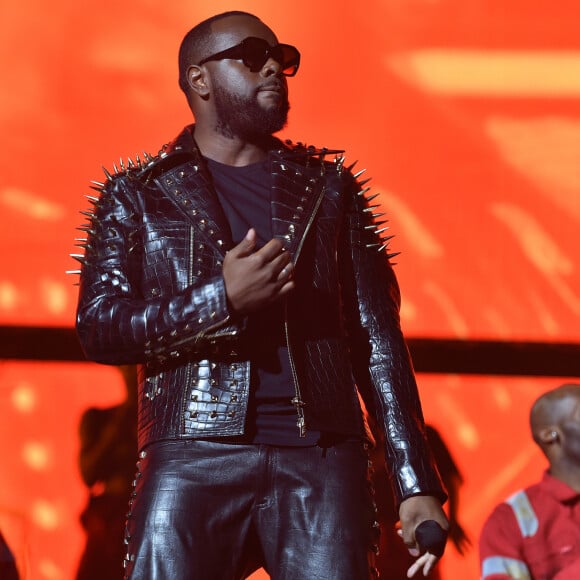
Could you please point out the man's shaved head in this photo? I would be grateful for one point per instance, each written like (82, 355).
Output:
(196, 44)
(551, 409)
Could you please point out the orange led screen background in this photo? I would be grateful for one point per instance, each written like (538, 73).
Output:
(466, 114)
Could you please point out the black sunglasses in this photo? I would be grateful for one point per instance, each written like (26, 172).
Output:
(255, 52)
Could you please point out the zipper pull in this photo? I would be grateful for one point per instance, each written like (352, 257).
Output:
(301, 422)
(301, 426)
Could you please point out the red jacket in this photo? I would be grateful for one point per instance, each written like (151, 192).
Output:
(533, 535)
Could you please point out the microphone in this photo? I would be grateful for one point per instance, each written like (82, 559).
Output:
(431, 537)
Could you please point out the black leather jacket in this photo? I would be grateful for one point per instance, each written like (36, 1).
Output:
(152, 293)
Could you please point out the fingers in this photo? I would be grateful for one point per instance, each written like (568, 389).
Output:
(275, 257)
(246, 246)
(273, 249)
(256, 278)
(285, 289)
(413, 551)
(425, 559)
(424, 524)
(424, 563)
(282, 270)
(286, 272)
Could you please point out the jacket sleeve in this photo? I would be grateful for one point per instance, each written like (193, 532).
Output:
(383, 370)
(117, 323)
(499, 547)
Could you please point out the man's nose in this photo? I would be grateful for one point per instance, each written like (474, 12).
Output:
(271, 67)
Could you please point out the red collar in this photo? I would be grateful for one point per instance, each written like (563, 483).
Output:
(558, 489)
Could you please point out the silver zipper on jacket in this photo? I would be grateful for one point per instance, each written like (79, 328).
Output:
(309, 224)
(297, 400)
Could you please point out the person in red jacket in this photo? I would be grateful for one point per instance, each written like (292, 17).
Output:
(535, 533)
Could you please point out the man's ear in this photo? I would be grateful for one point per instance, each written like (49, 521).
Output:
(196, 79)
(549, 435)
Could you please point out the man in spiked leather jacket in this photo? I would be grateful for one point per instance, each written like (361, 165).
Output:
(169, 282)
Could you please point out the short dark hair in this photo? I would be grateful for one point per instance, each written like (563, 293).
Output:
(194, 45)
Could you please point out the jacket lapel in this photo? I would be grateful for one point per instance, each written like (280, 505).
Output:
(297, 191)
(187, 184)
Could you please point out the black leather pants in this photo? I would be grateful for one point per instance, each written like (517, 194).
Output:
(218, 511)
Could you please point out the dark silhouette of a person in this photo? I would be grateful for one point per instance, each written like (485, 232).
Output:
(8, 569)
(107, 464)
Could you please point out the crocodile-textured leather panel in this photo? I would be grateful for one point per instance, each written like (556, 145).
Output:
(383, 369)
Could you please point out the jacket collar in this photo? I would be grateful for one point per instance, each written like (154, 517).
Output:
(559, 490)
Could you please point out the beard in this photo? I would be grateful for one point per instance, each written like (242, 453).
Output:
(244, 117)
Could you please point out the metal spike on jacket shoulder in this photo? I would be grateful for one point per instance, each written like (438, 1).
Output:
(381, 243)
(125, 168)
(130, 166)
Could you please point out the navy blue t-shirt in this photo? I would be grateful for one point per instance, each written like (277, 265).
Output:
(244, 193)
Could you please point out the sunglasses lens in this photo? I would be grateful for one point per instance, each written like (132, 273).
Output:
(257, 51)
(289, 59)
